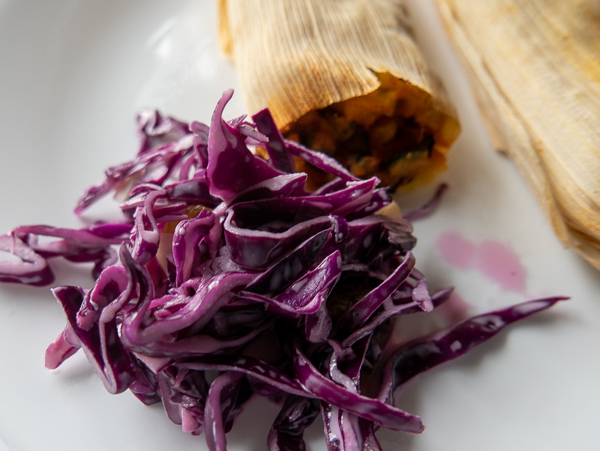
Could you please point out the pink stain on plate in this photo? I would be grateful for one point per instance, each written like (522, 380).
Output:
(455, 309)
(457, 250)
(495, 260)
(501, 264)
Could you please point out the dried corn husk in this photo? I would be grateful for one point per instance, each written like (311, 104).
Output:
(332, 70)
(535, 70)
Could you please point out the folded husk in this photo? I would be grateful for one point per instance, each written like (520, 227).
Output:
(298, 57)
(535, 69)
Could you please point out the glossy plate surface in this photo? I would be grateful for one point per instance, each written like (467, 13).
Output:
(74, 73)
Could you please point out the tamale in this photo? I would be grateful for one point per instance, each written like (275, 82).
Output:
(534, 66)
(344, 77)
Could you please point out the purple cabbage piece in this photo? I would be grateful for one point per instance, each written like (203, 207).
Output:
(231, 166)
(279, 157)
(99, 343)
(252, 248)
(287, 431)
(225, 268)
(255, 369)
(415, 357)
(306, 294)
(370, 409)
(344, 430)
(32, 269)
(195, 241)
(364, 308)
(219, 405)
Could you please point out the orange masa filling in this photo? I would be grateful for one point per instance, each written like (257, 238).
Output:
(394, 133)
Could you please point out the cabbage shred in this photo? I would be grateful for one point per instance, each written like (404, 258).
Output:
(224, 264)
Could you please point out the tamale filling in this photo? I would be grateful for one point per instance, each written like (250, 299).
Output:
(392, 133)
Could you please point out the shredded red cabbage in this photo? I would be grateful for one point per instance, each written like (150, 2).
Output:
(225, 264)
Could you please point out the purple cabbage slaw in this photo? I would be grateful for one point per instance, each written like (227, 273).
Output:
(227, 279)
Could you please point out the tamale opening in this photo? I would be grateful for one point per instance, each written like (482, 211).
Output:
(393, 133)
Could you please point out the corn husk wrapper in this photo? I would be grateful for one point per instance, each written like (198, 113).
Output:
(355, 57)
(535, 69)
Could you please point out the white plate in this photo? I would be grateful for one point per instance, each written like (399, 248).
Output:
(73, 75)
